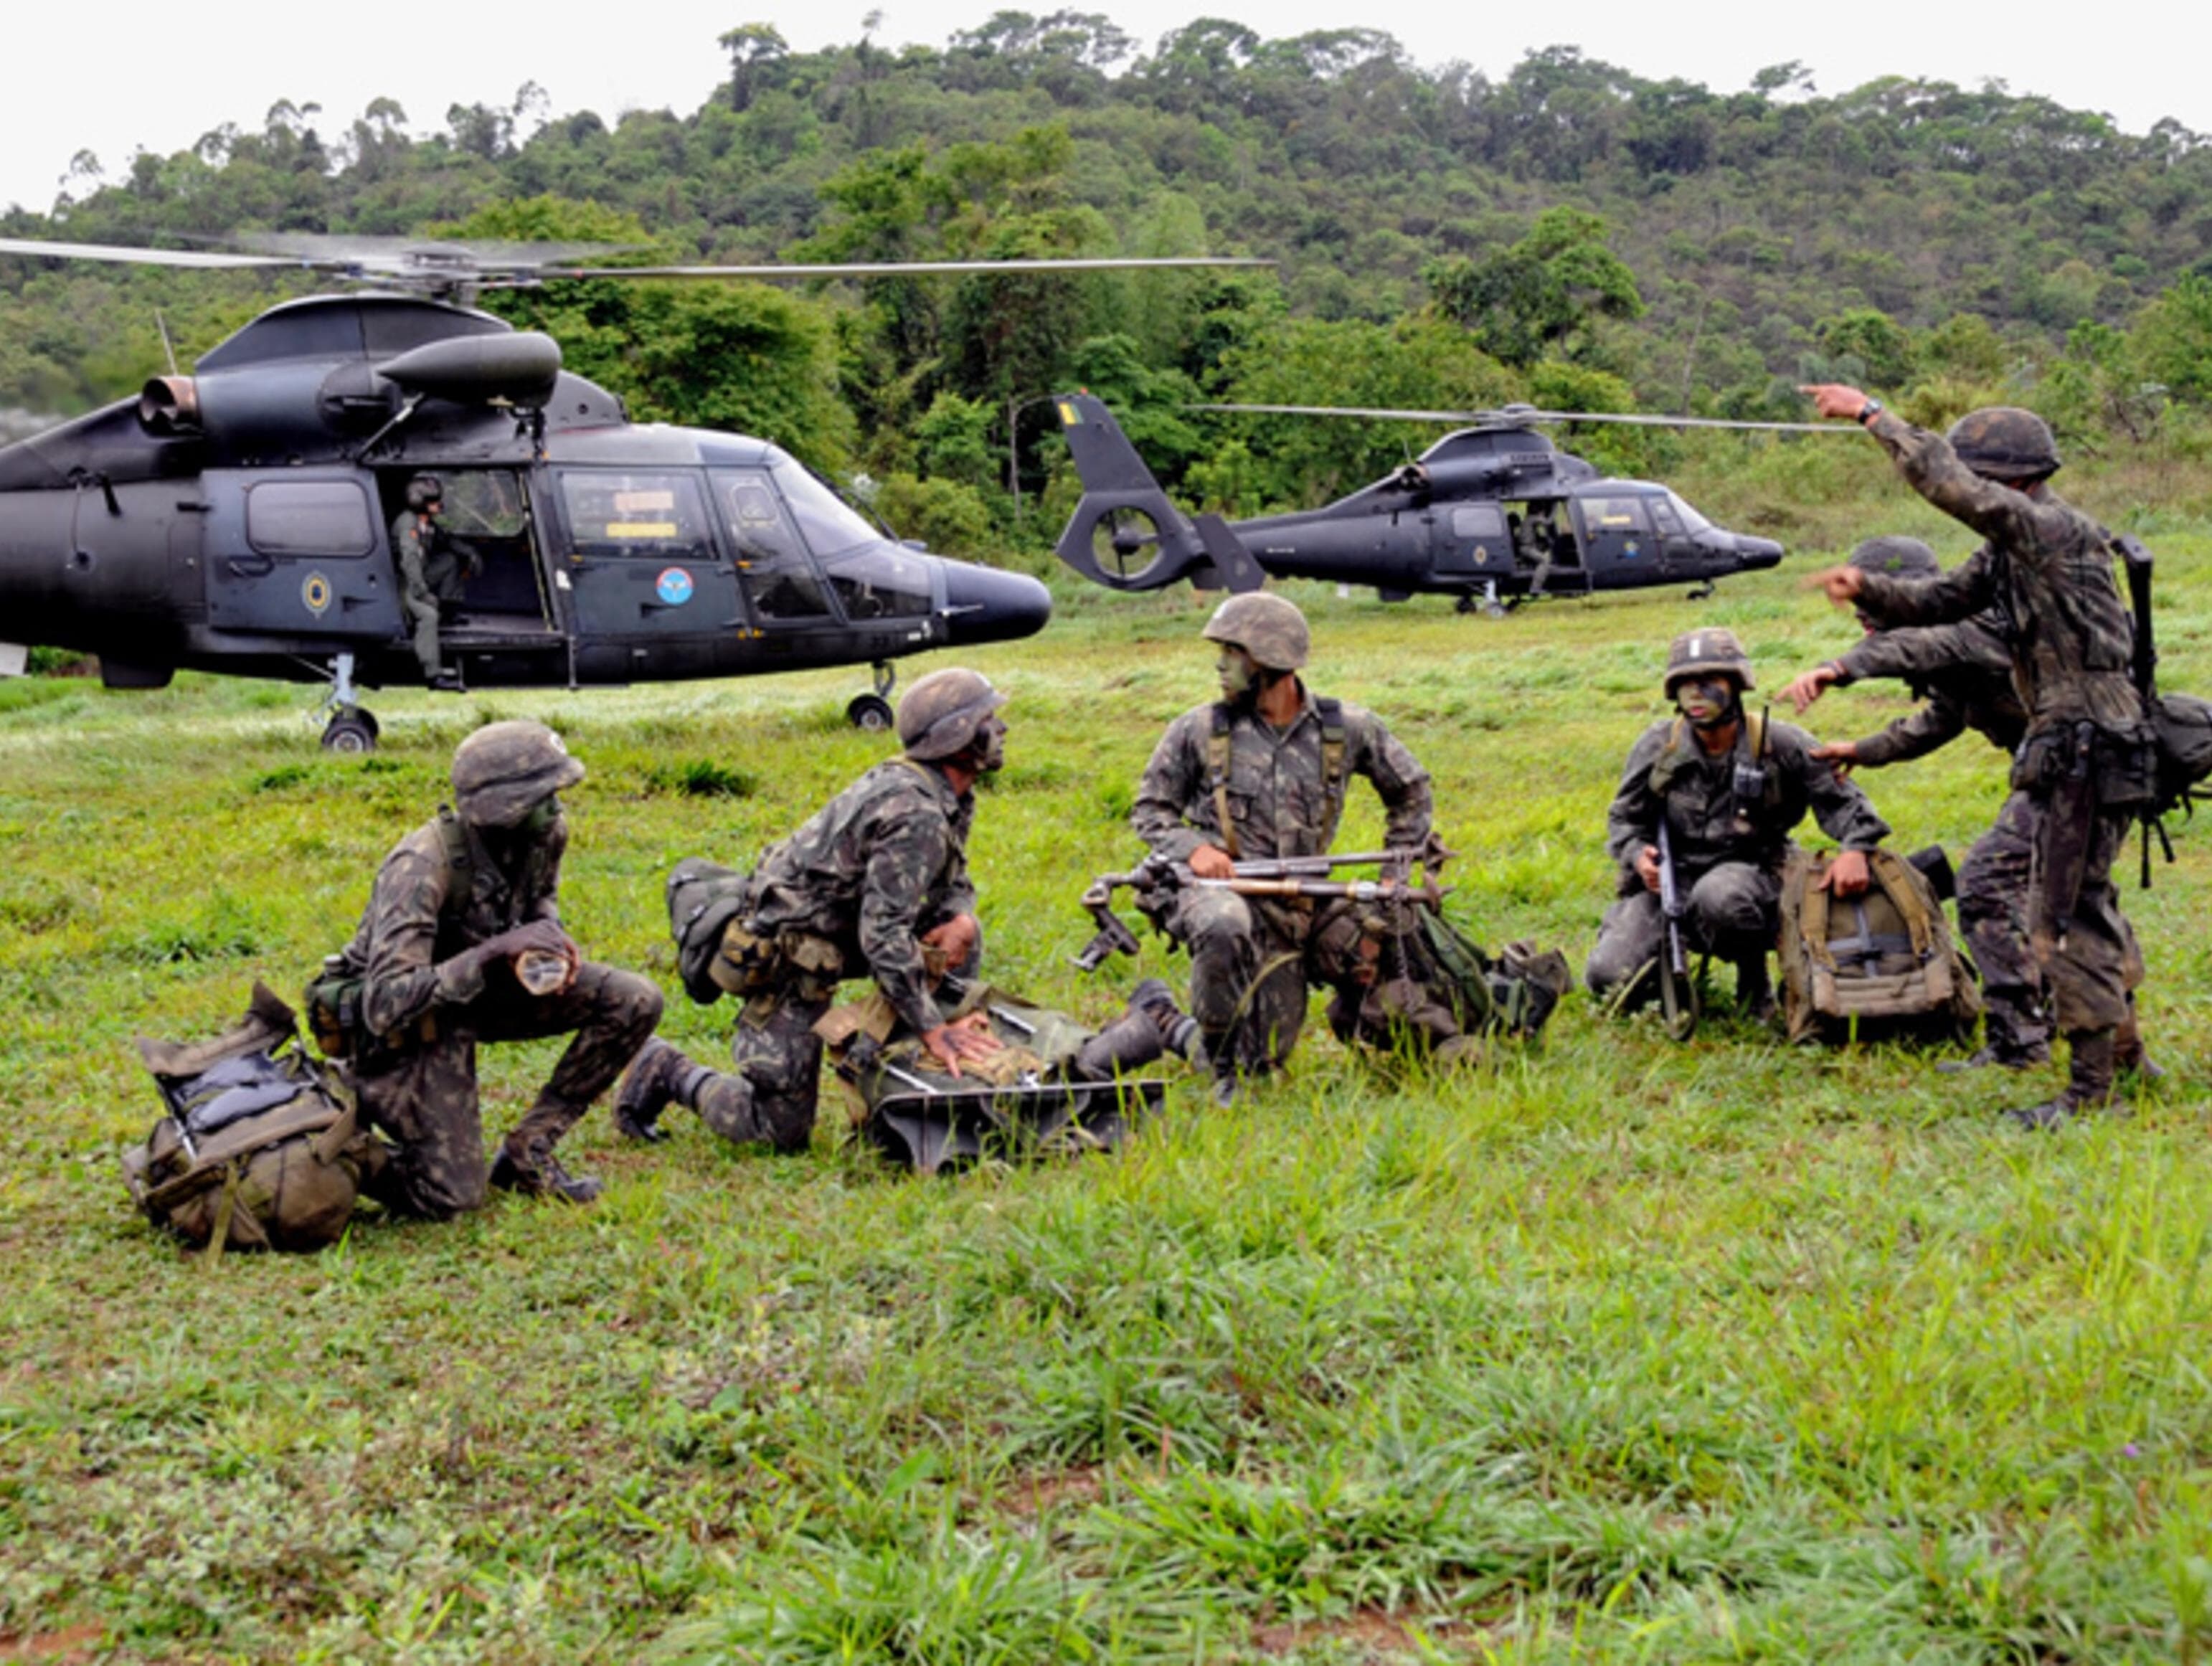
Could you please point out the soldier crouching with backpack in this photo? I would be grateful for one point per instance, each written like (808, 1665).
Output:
(461, 942)
(1728, 788)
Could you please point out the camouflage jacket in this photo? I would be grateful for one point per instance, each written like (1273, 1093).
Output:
(1668, 772)
(884, 861)
(2047, 568)
(1964, 672)
(1279, 800)
(414, 923)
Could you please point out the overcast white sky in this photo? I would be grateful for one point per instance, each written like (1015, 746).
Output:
(127, 75)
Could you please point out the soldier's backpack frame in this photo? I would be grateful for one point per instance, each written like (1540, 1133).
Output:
(1861, 983)
(259, 1149)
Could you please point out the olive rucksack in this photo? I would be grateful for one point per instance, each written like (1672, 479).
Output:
(1511, 993)
(1879, 966)
(704, 898)
(2183, 724)
(258, 1151)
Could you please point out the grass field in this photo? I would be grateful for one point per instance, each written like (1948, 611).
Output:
(1613, 1350)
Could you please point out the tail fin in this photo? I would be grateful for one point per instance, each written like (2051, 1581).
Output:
(1124, 534)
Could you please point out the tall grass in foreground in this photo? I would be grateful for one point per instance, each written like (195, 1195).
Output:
(1609, 1350)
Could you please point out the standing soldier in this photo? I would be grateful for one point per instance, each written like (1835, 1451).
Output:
(434, 567)
(2087, 762)
(875, 882)
(1964, 673)
(1728, 790)
(1260, 774)
(461, 942)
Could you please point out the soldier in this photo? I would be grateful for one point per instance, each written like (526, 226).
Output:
(434, 568)
(877, 881)
(1729, 795)
(1964, 672)
(1260, 773)
(2087, 762)
(461, 942)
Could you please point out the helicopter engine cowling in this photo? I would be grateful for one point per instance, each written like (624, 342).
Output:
(519, 368)
(169, 406)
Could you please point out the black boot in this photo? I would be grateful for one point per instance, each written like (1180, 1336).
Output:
(1179, 1032)
(2129, 1052)
(654, 1076)
(1754, 994)
(534, 1171)
(2088, 1090)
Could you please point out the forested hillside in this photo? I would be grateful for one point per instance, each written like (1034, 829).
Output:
(1573, 233)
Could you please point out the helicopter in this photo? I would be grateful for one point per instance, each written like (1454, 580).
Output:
(239, 519)
(1493, 515)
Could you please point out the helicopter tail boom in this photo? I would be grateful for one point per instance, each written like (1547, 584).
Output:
(1125, 532)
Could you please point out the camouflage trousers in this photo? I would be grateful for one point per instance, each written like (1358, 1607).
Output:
(422, 1094)
(1253, 959)
(2092, 970)
(1733, 912)
(1993, 907)
(772, 1096)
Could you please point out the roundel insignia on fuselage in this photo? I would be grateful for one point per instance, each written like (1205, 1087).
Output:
(315, 592)
(673, 586)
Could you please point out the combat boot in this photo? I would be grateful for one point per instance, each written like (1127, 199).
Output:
(654, 1076)
(2130, 1054)
(1179, 1031)
(534, 1171)
(1754, 992)
(2088, 1090)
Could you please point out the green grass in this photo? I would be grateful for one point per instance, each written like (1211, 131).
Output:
(1612, 1350)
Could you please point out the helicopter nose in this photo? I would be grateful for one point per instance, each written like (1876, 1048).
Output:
(1756, 553)
(983, 605)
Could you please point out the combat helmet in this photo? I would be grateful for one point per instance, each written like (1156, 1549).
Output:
(1696, 652)
(1896, 558)
(1269, 628)
(2003, 442)
(423, 490)
(507, 769)
(942, 711)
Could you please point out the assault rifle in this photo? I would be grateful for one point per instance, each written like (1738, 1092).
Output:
(1156, 880)
(2135, 557)
(1678, 995)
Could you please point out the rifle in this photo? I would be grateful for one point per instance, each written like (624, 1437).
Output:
(2136, 555)
(1678, 995)
(1156, 880)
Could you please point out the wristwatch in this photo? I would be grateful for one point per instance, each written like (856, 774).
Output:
(1871, 409)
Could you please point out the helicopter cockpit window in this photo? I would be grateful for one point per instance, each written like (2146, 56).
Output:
(881, 582)
(309, 518)
(1690, 518)
(829, 524)
(1614, 514)
(656, 515)
(484, 503)
(1477, 520)
(774, 569)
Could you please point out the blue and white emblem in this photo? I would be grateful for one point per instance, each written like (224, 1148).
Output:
(673, 586)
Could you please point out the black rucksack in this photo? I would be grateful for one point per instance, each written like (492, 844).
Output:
(704, 898)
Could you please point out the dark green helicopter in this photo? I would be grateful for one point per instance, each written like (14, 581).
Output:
(241, 520)
(1494, 514)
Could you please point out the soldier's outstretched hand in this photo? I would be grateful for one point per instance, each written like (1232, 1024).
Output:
(1841, 583)
(1802, 689)
(1840, 756)
(1835, 401)
(1847, 875)
(963, 1038)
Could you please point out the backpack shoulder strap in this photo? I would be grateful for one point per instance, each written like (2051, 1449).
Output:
(1217, 776)
(1331, 757)
(460, 863)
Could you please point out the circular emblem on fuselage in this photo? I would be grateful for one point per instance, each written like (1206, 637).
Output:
(315, 592)
(673, 586)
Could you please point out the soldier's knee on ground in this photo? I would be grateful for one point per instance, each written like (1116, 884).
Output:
(1731, 907)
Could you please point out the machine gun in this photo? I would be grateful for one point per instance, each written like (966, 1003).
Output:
(1678, 993)
(1156, 881)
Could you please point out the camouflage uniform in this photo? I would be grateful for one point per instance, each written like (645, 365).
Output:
(1728, 856)
(1964, 673)
(1252, 958)
(434, 569)
(425, 1005)
(2047, 570)
(851, 892)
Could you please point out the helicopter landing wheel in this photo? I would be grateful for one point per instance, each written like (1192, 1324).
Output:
(1702, 592)
(870, 713)
(1495, 610)
(351, 730)
(1465, 605)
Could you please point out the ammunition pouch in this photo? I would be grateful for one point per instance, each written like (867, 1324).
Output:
(2121, 767)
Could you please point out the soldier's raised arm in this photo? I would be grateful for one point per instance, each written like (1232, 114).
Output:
(1937, 724)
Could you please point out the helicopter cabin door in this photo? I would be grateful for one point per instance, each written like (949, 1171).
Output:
(299, 552)
(783, 588)
(1620, 549)
(643, 562)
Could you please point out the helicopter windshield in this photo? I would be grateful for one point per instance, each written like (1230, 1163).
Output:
(1690, 518)
(829, 524)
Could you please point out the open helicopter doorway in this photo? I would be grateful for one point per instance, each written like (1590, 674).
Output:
(503, 601)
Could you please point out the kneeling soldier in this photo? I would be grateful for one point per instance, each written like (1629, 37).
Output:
(1728, 789)
(461, 942)
(1260, 773)
(876, 880)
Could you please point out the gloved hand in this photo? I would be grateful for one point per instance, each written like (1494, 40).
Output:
(466, 970)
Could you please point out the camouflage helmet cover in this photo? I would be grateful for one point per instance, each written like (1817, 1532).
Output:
(1896, 558)
(423, 490)
(507, 769)
(942, 711)
(1267, 627)
(1697, 653)
(2003, 442)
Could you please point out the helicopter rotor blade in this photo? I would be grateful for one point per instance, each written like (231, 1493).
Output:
(1513, 415)
(910, 267)
(204, 259)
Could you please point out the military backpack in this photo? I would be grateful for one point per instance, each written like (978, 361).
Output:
(1881, 966)
(256, 1150)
